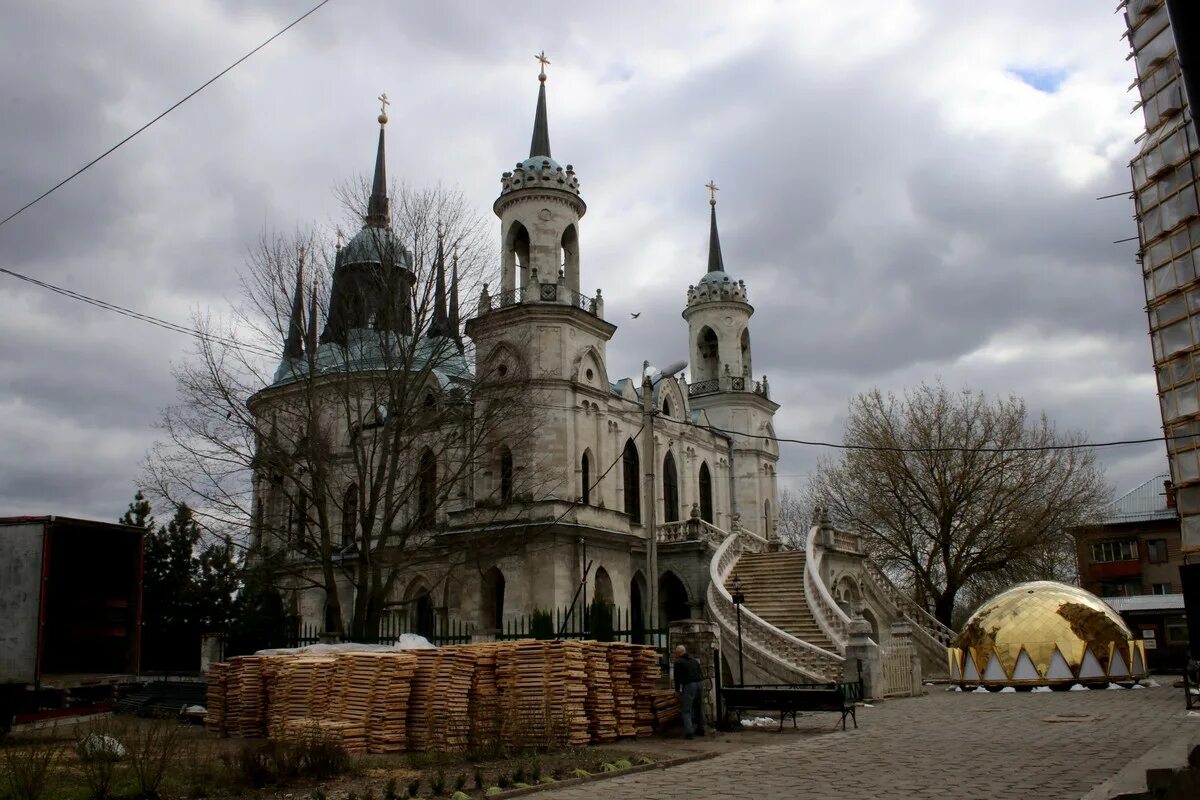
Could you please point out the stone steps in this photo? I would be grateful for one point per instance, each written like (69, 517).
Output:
(774, 587)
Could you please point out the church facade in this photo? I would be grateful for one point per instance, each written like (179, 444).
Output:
(637, 477)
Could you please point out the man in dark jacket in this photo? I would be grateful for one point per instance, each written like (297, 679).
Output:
(689, 682)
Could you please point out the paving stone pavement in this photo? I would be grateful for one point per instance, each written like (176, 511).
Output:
(946, 744)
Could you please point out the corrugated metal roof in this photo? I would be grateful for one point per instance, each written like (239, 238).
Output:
(1146, 602)
(1146, 502)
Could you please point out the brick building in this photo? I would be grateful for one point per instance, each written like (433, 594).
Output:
(1131, 558)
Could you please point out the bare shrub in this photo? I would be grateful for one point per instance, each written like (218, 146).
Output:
(152, 747)
(28, 769)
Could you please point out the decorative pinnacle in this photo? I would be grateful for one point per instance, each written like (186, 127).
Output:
(712, 192)
(341, 237)
(545, 62)
(383, 104)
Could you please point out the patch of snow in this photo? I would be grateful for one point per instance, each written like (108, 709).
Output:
(1137, 686)
(1078, 687)
(1153, 684)
(195, 710)
(1008, 690)
(1041, 689)
(979, 689)
(759, 722)
(101, 747)
(1114, 686)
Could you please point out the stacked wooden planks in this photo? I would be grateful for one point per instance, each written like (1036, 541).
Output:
(524, 694)
(665, 704)
(218, 677)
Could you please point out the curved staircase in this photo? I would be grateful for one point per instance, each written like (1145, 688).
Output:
(774, 587)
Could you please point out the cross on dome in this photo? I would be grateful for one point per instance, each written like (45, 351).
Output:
(383, 104)
(545, 62)
(712, 192)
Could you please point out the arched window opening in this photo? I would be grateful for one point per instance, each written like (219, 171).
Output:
(298, 520)
(746, 353)
(637, 613)
(516, 259)
(667, 407)
(426, 490)
(585, 478)
(424, 616)
(569, 256)
(706, 497)
(707, 367)
(491, 599)
(350, 515)
(428, 400)
(673, 598)
(331, 620)
(506, 474)
(766, 519)
(670, 489)
(633, 476)
(603, 591)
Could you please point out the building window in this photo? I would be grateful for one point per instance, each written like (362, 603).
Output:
(350, 515)
(1160, 588)
(706, 498)
(1156, 551)
(1114, 550)
(632, 473)
(426, 490)
(1177, 630)
(506, 474)
(585, 479)
(670, 489)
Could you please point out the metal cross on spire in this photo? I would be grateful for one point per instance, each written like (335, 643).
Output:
(383, 104)
(545, 62)
(712, 192)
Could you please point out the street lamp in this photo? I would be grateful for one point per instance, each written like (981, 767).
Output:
(738, 599)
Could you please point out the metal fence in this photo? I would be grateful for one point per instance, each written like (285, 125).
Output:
(896, 664)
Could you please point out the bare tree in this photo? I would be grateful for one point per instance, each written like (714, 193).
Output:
(341, 464)
(795, 518)
(953, 492)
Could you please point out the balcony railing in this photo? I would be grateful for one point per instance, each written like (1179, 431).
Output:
(730, 383)
(535, 292)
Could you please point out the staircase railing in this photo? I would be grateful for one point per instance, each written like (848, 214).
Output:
(922, 621)
(691, 530)
(793, 657)
(829, 615)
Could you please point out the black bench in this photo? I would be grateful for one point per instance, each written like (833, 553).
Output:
(789, 698)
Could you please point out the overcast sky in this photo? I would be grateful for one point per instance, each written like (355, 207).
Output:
(907, 189)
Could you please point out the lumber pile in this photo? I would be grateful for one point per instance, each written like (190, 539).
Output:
(526, 693)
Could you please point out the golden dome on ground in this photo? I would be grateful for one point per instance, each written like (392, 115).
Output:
(1045, 632)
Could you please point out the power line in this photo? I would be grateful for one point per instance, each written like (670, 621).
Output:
(251, 348)
(139, 316)
(187, 97)
(885, 449)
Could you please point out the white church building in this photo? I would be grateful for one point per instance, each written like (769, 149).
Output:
(664, 487)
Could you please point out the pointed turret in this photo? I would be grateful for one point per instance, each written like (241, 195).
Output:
(310, 339)
(715, 262)
(440, 324)
(454, 324)
(540, 144)
(293, 342)
(378, 214)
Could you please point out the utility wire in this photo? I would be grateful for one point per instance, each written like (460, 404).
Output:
(139, 316)
(187, 97)
(233, 343)
(885, 449)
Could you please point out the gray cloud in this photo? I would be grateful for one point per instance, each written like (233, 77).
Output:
(900, 205)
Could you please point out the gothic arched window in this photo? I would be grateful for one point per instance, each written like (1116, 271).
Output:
(426, 490)
(708, 349)
(746, 353)
(632, 473)
(506, 474)
(585, 478)
(706, 498)
(350, 515)
(670, 489)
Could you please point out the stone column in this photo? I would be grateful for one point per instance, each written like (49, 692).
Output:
(702, 639)
(862, 651)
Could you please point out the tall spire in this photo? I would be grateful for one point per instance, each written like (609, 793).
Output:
(440, 324)
(715, 262)
(293, 342)
(378, 215)
(454, 326)
(310, 341)
(540, 145)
